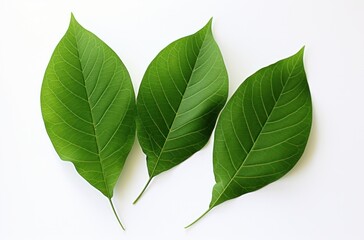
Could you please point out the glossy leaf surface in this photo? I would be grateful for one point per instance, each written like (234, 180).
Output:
(263, 130)
(180, 97)
(88, 107)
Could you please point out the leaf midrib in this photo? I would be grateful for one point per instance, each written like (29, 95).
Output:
(183, 97)
(255, 140)
(91, 113)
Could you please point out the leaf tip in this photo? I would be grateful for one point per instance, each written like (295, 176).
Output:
(207, 28)
(301, 51)
(209, 23)
(73, 19)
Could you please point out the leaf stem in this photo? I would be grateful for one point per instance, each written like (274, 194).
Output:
(207, 211)
(145, 187)
(116, 215)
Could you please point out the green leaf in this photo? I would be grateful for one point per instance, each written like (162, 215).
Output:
(88, 107)
(180, 97)
(263, 130)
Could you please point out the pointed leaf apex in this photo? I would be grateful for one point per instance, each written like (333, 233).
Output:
(209, 23)
(72, 17)
(74, 23)
(73, 20)
(301, 51)
(207, 28)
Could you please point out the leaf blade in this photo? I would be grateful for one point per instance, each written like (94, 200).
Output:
(267, 123)
(88, 107)
(289, 119)
(181, 94)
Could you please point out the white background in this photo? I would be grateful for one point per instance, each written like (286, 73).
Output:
(42, 197)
